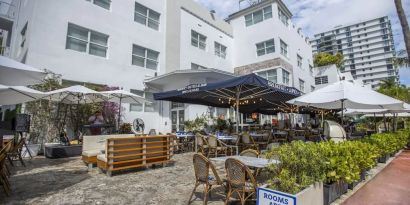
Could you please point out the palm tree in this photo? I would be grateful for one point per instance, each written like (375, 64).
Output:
(404, 25)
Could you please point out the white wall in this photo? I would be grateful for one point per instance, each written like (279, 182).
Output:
(246, 38)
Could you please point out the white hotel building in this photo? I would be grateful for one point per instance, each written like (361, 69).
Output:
(367, 46)
(150, 46)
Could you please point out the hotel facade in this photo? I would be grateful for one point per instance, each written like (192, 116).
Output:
(150, 46)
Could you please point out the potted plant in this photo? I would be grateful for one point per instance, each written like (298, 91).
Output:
(299, 172)
(196, 125)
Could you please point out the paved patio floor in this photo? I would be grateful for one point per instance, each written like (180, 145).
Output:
(391, 186)
(66, 181)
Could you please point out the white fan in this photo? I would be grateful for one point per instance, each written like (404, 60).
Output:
(138, 126)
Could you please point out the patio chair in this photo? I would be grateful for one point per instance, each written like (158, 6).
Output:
(250, 153)
(202, 144)
(240, 180)
(4, 172)
(247, 142)
(202, 176)
(15, 152)
(216, 147)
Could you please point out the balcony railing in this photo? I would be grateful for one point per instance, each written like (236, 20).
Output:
(7, 9)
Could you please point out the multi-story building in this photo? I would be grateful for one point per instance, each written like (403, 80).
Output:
(148, 46)
(367, 46)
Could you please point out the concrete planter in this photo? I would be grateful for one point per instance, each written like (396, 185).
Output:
(312, 195)
(333, 191)
(33, 148)
(383, 159)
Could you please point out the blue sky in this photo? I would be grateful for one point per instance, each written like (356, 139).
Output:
(315, 16)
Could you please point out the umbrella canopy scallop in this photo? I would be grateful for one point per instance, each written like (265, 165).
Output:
(75, 95)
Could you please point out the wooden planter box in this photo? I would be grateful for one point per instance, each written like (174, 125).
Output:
(383, 159)
(312, 195)
(333, 191)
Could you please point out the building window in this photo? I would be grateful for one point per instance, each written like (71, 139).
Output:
(87, 41)
(197, 67)
(146, 16)
(311, 69)
(300, 59)
(265, 47)
(301, 85)
(270, 75)
(23, 35)
(321, 80)
(285, 77)
(220, 50)
(283, 48)
(258, 16)
(144, 57)
(312, 88)
(106, 4)
(198, 40)
(146, 107)
(283, 17)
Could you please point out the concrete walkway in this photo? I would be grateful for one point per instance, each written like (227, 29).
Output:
(391, 186)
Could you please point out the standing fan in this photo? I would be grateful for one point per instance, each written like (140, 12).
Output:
(138, 126)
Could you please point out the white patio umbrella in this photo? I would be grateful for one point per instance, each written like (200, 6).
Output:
(11, 95)
(15, 73)
(75, 95)
(122, 96)
(345, 94)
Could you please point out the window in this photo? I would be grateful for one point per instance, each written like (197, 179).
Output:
(265, 47)
(23, 35)
(146, 107)
(87, 41)
(386, 48)
(283, 48)
(284, 18)
(198, 40)
(258, 16)
(146, 16)
(321, 80)
(220, 50)
(197, 67)
(144, 57)
(106, 4)
(300, 59)
(270, 75)
(311, 69)
(312, 88)
(285, 77)
(301, 85)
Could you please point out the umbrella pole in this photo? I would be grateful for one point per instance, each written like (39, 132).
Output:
(384, 122)
(323, 118)
(375, 123)
(237, 115)
(119, 115)
(342, 111)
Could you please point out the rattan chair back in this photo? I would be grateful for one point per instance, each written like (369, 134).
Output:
(212, 141)
(250, 153)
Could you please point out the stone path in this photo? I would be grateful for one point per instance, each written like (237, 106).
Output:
(391, 186)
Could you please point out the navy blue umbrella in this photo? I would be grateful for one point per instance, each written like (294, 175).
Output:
(248, 93)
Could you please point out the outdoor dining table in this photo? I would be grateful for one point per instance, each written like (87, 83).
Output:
(248, 161)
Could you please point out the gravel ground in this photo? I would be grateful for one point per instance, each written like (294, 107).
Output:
(67, 181)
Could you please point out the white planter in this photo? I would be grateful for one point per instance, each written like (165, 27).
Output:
(312, 195)
(33, 148)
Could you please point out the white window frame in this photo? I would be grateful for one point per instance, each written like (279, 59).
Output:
(300, 60)
(285, 78)
(196, 40)
(266, 14)
(265, 48)
(264, 74)
(320, 80)
(145, 57)
(284, 48)
(147, 17)
(302, 85)
(143, 105)
(88, 42)
(220, 50)
(282, 17)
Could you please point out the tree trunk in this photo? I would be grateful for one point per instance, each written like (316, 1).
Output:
(404, 25)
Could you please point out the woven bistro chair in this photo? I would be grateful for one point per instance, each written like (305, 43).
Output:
(202, 144)
(216, 147)
(240, 180)
(247, 142)
(250, 153)
(4, 173)
(15, 152)
(202, 176)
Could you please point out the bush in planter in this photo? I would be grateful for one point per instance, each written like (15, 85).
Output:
(382, 142)
(301, 165)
